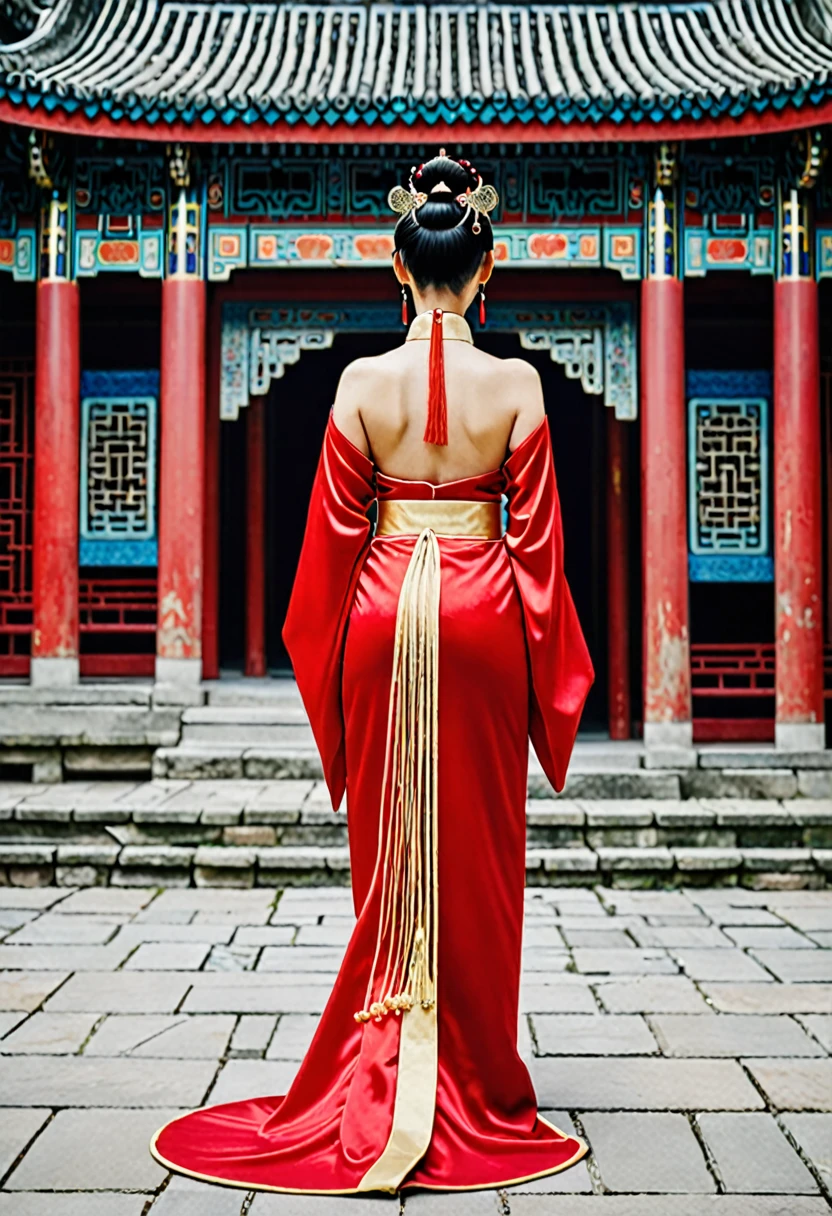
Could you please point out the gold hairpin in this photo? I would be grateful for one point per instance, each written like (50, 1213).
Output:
(481, 199)
(402, 201)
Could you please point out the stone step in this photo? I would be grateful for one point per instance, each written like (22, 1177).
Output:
(201, 760)
(285, 865)
(251, 692)
(595, 772)
(174, 820)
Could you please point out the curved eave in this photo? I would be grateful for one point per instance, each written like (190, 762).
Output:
(55, 114)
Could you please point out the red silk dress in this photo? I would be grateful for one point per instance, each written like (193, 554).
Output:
(364, 1113)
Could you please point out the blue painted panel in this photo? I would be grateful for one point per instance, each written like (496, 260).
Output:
(730, 568)
(728, 483)
(118, 552)
(119, 412)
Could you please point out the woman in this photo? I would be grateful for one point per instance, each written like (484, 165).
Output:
(426, 653)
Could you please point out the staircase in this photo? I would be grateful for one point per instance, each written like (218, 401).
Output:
(283, 833)
(246, 729)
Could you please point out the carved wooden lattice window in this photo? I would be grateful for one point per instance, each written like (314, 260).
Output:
(729, 478)
(16, 473)
(118, 469)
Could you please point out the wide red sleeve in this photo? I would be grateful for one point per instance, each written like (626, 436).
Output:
(334, 544)
(559, 663)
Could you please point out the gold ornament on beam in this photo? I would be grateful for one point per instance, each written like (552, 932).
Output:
(666, 165)
(814, 155)
(179, 165)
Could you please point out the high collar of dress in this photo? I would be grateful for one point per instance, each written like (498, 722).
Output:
(454, 328)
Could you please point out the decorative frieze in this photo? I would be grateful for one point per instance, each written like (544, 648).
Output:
(124, 246)
(596, 344)
(258, 246)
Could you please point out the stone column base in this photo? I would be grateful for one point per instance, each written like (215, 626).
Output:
(186, 673)
(53, 672)
(668, 734)
(799, 736)
(669, 745)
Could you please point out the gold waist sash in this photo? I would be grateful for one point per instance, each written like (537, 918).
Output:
(444, 517)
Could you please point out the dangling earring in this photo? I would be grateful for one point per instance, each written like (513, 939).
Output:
(404, 306)
(482, 304)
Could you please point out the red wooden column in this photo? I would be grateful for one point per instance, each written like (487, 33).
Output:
(57, 388)
(667, 687)
(618, 578)
(798, 570)
(182, 458)
(211, 521)
(255, 664)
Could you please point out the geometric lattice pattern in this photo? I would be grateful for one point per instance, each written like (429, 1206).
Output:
(729, 476)
(729, 483)
(16, 477)
(117, 468)
(118, 477)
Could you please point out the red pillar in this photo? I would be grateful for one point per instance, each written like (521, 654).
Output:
(618, 578)
(797, 516)
(255, 537)
(181, 472)
(667, 695)
(211, 521)
(55, 547)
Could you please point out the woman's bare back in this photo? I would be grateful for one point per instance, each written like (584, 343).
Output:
(493, 404)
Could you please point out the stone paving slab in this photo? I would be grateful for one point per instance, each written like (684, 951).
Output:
(687, 1088)
(795, 1084)
(645, 1153)
(47, 1204)
(659, 1205)
(813, 1135)
(622, 1083)
(93, 1150)
(77, 1081)
(731, 1035)
(187, 1197)
(769, 998)
(121, 992)
(753, 1155)
(17, 1128)
(173, 1036)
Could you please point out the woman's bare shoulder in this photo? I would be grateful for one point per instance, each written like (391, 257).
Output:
(360, 381)
(527, 399)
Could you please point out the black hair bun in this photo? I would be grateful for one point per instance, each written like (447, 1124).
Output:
(436, 241)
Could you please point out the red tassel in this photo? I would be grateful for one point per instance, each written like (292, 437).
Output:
(436, 430)
(404, 307)
(482, 306)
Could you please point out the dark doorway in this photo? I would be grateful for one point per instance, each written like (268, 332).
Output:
(298, 408)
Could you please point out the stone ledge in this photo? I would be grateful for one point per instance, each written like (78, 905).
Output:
(760, 758)
(152, 856)
(706, 859)
(78, 694)
(635, 859)
(740, 783)
(778, 860)
(235, 866)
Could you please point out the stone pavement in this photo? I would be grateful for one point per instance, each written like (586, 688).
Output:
(686, 1034)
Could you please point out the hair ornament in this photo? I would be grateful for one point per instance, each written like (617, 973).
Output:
(481, 200)
(402, 201)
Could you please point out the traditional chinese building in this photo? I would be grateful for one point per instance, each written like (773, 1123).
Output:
(195, 241)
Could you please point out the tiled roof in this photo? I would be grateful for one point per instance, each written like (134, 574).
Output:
(261, 62)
